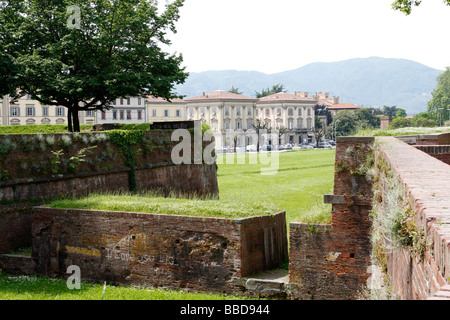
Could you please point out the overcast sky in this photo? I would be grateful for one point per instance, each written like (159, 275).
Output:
(277, 35)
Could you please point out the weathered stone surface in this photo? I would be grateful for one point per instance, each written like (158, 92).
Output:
(156, 250)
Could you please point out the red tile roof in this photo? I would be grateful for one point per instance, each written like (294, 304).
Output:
(285, 97)
(221, 95)
(345, 105)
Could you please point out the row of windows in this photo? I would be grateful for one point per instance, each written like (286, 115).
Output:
(166, 113)
(290, 112)
(238, 124)
(122, 115)
(249, 111)
(120, 101)
(30, 111)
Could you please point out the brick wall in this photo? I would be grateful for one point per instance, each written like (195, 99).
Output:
(26, 175)
(203, 254)
(440, 152)
(424, 184)
(331, 261)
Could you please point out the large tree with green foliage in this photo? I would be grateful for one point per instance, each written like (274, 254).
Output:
(405, 6)
(439, 104)
(84, 54)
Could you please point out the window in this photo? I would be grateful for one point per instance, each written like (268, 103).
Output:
(202, 111)
(308, 123)
(103, 115)
(114, 115)
(121, 101)
(267, 112)
(290, 124)
(290, 112)
(30, 111)
(249, 111)
(227, 111)
(15, 111)
(139, 115)
(89, 113)
(279, 112)
(178, 113)
(128, 101)
(299, 111)
(128, 115)
(45, 111)
(214, 111)
(249, 124)
(227, 125)
(309, 112)
(121, 114)
(191, 112)
(166, 113)
(60, 111)
(238, 111)
(153, 112)
(238, 125)
(139, 101)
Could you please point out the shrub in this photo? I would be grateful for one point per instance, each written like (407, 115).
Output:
(401, 122)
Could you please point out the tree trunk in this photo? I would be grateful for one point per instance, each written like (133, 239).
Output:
(69, 120)
(76, 120)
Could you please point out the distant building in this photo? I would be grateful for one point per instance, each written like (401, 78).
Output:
(26, 111)
(159, 109)
(335, 108)
(124, 110)
(293, 112)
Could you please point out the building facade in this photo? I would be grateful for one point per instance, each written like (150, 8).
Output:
(124, 110)
(293, 113)
(26, 111)
(159, 109)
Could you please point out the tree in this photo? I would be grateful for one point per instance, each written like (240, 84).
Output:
(405, 6)
(344, 122)
(281, 130)
(267, 92)
(319, 131)
(234, 90)
(401, 122)
(260, 125)
(439, 104)
(84, 54)
(365, 118)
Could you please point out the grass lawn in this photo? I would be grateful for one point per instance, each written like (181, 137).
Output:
(43, 288)
(297, 186)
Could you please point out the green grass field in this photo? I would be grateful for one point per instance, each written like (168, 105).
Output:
(43, 288)
(296, 186)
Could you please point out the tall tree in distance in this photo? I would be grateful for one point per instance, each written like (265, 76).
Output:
(84, 54)
(439, 104)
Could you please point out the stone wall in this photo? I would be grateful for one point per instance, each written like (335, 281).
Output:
(331, 261)
(418, 262)
(178, 252)
(37, 168)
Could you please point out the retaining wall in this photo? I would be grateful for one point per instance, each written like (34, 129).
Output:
(330, 262)
(420, 270)
(178, 252)
(35, 168)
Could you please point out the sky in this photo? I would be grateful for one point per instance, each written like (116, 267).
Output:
(272, 36)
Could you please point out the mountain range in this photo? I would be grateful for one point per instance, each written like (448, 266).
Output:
(368, 82)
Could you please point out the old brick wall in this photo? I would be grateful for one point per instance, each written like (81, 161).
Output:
(178, 252)
(440, 152)
(28, 173)
(331, 261)
(424, 183)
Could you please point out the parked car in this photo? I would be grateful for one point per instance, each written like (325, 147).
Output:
(250, 147)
